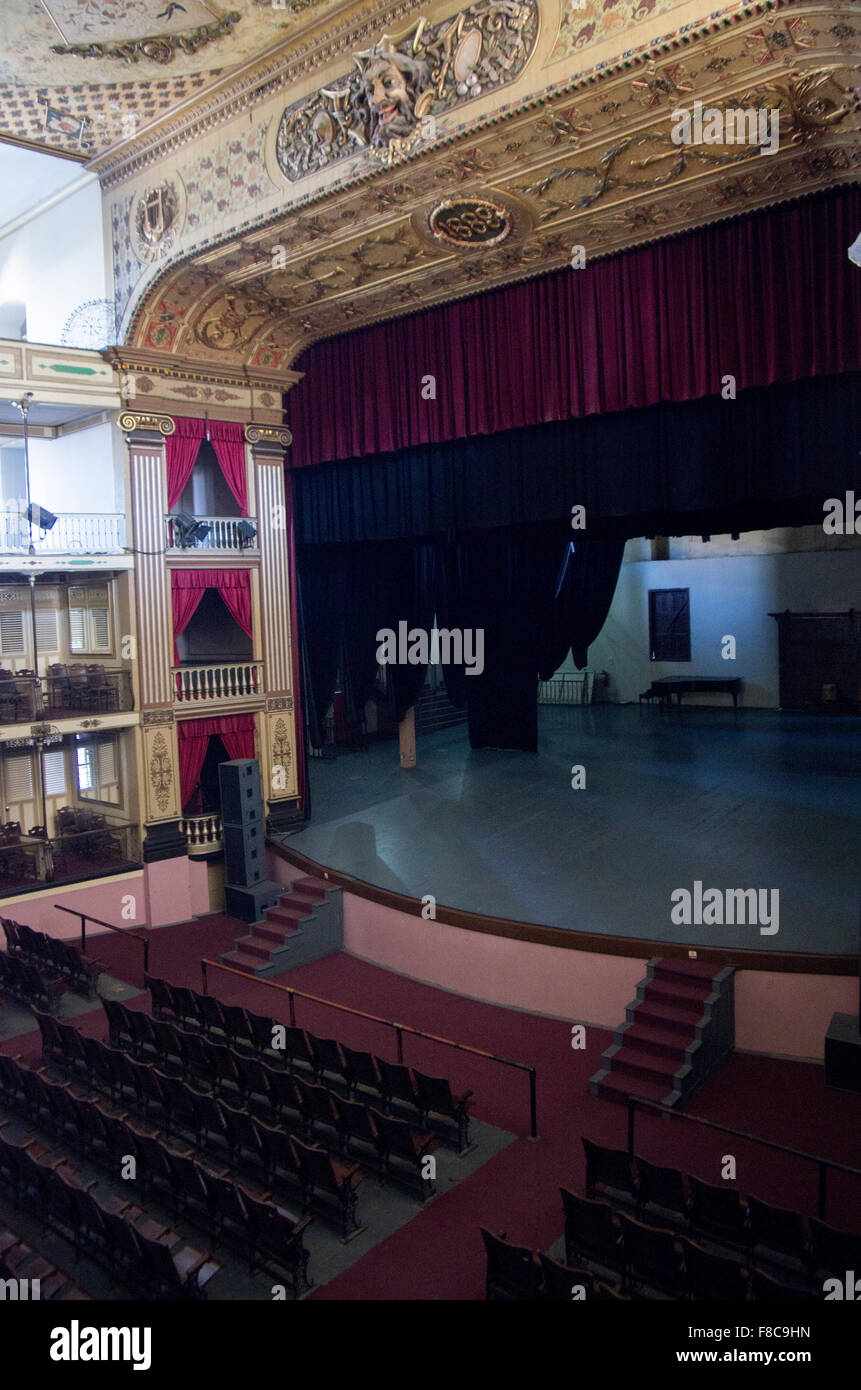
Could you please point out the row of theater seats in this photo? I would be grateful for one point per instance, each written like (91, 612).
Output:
(276, 1097)
(785, 1254)
(23, 983)
(142, 1255)
(166, 1103)
(428, 1098)
(49, 955)
(516, 1274)
(269, 1237)
(19, 1261)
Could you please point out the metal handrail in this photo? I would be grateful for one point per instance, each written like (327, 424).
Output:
(124, 931)
(823, 1164)
(400, 1029)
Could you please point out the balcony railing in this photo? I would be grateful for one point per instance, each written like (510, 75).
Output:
(227, 535)
(64, 693)
(202, 834)
(74, 533)
(70, 858)
(218, 683)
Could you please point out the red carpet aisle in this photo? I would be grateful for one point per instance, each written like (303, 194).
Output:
(439, 1254)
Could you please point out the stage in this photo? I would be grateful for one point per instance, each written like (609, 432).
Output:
(681, 812)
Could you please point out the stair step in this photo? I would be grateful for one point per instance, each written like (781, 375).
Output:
(691, 1001)
(660, 1041)
(655, 1015)
(277, 934)
(685, 971)
(614, 1087)
(240, 961)
(630, 1062)
(287, 915)
(250, 947)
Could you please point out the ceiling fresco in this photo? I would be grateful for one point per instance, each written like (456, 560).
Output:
(588, 168)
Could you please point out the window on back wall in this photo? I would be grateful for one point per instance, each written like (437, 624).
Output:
(17, 771)
(89, 621)
(97, 764)
(12, 633)
(55, 772)
(669, 625)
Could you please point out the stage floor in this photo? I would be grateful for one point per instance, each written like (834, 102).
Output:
(759, 800)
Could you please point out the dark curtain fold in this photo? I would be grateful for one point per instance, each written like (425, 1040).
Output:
(228, 440)
(322, 587)
(660, 323)
(181, 449)
(776, 452)
(584, 592)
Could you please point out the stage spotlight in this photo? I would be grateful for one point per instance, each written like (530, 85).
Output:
(40, 516)
(191, 531)
(246, 532)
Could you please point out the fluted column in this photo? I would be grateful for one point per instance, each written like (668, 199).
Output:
(277, 725)
(159, 753)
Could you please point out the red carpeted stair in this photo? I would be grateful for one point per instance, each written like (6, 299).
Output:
(304, 924)
(678, 1028)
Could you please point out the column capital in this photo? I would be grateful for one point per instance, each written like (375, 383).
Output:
(145, 427)
(268, 442)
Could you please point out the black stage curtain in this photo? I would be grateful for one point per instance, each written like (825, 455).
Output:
(479, 533)
(641, 471)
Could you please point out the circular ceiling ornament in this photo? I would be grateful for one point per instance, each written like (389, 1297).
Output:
(469, 222)
(475, 222)
(92, 325)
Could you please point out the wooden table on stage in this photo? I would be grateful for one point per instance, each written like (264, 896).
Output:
(665, 687)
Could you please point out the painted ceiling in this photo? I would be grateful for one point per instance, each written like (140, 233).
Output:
(115, 65)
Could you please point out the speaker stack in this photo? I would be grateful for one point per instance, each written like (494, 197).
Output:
(247, 892)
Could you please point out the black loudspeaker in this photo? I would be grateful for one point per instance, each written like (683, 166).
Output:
(843, 1053)
(239, 789)
(244, 854)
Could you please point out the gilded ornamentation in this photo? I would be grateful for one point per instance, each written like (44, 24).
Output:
(156, 220)
(231, 321)
(161, 48)
(469, 222)
(426, 70)
(160, 772)
(282, 753)
(284, 702)
(812, 102)
(136, 420)
(268, 434)
(157, 716)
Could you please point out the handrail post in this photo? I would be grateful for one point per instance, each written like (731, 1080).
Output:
(533, 1105)
(292, 1008)
(203, 973)
(146, 955)
(83, 935)
(400, 1037)
(632, 1105)
(823, 1193)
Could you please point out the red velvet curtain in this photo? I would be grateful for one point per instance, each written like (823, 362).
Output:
(236, 732)
(228, 441)
(182, 447)
(187, 588)
(181, 450)
(770, 297)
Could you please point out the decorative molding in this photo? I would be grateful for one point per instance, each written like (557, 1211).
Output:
(156, 220)
(403, 82)
(160, 772)
(268, 434)
(280, 702)
(130, 421)
(160, 48)
(157, 716)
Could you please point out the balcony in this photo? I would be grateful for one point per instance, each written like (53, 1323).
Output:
(226, 535)
(30, 860)
(74, 533)
(202, 834)
(217, 683)
(64, 693)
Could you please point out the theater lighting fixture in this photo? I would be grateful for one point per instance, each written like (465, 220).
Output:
(191, 531)
(39, 516)
(246, 532)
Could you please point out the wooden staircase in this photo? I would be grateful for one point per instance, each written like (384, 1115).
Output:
(681, 1024)
(305, 924)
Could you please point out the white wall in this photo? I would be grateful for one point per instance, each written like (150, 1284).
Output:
(55, 263)
(78, 472)
(729, 593)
